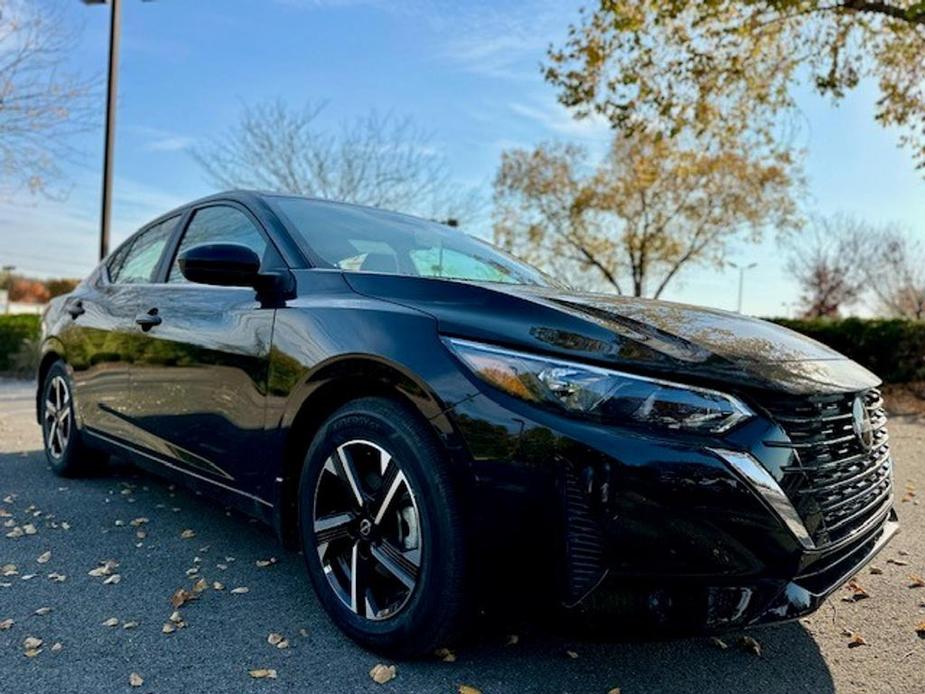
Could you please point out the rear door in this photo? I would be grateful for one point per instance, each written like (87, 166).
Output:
(199, 383)
(101, 338)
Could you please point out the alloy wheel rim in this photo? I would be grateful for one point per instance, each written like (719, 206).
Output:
(58, 418)
(367, 530)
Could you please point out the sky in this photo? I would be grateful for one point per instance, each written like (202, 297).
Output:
(468, 72)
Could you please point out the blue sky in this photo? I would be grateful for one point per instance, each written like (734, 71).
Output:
(467, 72)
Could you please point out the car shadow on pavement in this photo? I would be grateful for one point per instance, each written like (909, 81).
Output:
(165, 538)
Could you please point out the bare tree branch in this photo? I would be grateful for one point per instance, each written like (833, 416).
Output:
(42, 104)
(382, 161)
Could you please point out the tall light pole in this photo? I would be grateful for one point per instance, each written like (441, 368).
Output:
(742, 269)
(112, 88)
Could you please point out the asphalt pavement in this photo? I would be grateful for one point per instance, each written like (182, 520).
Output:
(165, 538)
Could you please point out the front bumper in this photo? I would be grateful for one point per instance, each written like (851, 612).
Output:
(645, 524)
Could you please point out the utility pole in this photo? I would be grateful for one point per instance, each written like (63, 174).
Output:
(742, 269)
(112, 88)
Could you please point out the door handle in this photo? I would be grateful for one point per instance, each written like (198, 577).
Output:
(148, 320)
(76, 308)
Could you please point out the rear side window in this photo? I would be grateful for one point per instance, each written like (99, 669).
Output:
(139, 260)
(219, 224)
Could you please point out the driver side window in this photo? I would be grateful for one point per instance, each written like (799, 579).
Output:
(218, 224)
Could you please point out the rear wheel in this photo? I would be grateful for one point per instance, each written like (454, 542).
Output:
(381, 529)
(64, 447)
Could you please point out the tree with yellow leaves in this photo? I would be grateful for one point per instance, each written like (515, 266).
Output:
(650, 208)
(691, 66)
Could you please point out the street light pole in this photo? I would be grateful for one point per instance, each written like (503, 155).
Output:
(742, 269)
(112, 88)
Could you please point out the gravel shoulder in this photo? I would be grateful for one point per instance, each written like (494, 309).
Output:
(85, 522)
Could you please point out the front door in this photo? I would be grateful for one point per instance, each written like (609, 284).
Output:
(199, 382)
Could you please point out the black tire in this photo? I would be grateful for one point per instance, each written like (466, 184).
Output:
(65, 450)
(435, 609)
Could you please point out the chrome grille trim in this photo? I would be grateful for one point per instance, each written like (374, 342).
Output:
(834, 483)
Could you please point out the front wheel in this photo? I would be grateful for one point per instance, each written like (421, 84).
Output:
(381, 529)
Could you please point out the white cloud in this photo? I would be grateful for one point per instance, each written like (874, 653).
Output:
(158, 140)
(175, 143)
(503, 42)
(558, 120)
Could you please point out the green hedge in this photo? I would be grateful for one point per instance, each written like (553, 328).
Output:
(894, 349)
(13, 330)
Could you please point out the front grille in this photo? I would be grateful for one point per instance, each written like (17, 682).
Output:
(835, 483)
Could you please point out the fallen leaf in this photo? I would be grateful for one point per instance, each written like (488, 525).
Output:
(29, 529)
(6, 624)
(749, 644)
(856, 640)
(876, 570)
(916, 581)
(135, 679)
(218, 585)
(382, 673)
(466, 689)
(181, 597)
(176, 617)
(266, 562)
(42, 611)
(31, 642)
(275, 639)
(104, 569)
(130, 625)
(857, 592)
(112, 580)
(200, 585)
(919, 629)
(111, 622)
(56, 577)
(512, 640)
(188, 534)
(15, 532)
(8, 570)
(241, 590)
(56, 647)
(615, 690)
(262, 673)
(44, 557)
(138, 521)
(168, 628)
(897, 562)
(572, 654)
(719, 643)
(446, 655)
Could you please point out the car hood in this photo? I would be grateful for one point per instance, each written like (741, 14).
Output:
(643, 335)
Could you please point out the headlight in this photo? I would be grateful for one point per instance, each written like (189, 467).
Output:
(601, 393)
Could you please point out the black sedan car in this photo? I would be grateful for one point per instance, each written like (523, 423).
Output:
(430, 420)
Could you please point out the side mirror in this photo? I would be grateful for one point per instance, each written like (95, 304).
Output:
(223, 264)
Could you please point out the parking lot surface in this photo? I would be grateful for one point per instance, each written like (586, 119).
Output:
(97, 631)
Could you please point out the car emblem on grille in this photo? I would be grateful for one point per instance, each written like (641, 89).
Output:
(863, 428)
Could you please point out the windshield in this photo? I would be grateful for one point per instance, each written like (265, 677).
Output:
(371, 240)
